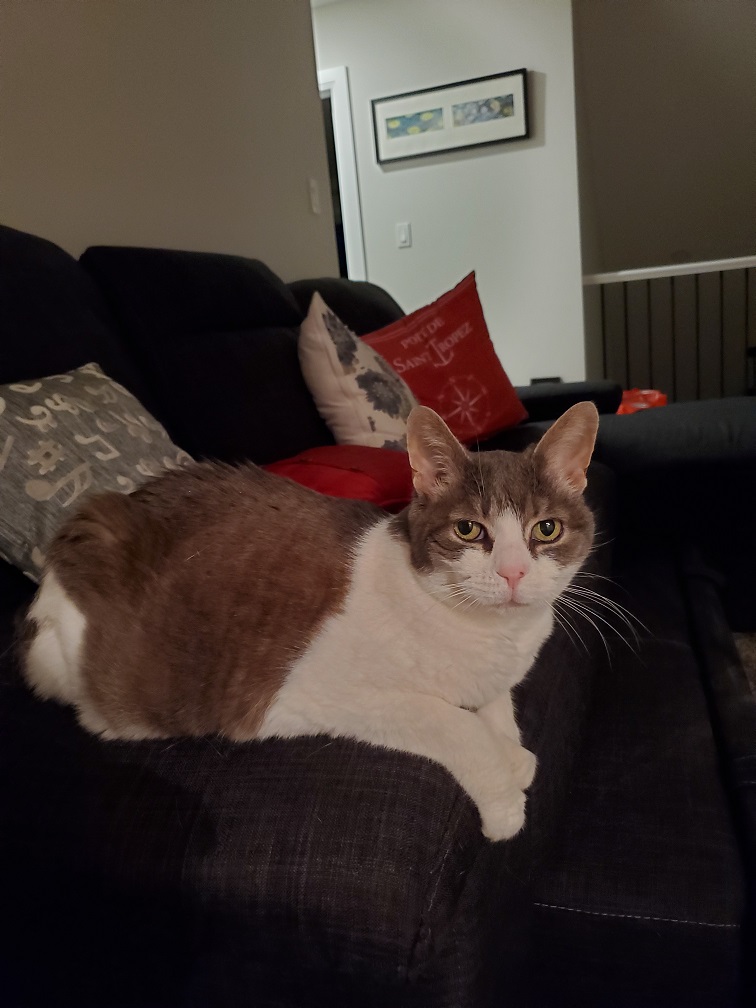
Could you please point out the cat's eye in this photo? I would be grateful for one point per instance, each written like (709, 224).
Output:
(547, 531)
(469, 531)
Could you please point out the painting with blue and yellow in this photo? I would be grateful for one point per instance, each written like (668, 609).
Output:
(412, 125)
(484, 110)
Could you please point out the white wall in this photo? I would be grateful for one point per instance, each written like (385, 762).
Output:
(179, 123)
(510, 211)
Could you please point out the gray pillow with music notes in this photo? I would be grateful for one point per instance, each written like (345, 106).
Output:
(64, 436)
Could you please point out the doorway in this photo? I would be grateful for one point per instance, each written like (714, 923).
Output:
(342, 166)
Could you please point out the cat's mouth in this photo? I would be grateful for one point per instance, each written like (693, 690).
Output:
(496, 601)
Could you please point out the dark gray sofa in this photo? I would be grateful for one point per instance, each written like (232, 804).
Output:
(319, 872)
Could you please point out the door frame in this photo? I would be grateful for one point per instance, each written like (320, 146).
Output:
(335, 84)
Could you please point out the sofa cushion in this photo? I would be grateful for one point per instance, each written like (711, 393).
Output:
(62, 436)
(381, 476)
(677, 465)
(641, 902)
(445, 354)
(217, 337)
(363, 401)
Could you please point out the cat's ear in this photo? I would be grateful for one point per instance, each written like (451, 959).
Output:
(436, 457)
(565, 449)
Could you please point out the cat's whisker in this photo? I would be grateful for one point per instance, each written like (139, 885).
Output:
(568, 628)
(590, 575)
(591, 615)
(599, 544)
(627, 617)
(587, 614)
(566, 620)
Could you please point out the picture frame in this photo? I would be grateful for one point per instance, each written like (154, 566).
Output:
(471, 113)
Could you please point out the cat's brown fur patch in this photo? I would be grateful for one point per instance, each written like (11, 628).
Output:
(191, 627)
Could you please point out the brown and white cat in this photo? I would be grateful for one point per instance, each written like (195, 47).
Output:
(225, 599)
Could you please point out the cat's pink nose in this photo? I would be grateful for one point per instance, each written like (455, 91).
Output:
(512, 574)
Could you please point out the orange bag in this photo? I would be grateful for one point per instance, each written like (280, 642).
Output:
(636, 399)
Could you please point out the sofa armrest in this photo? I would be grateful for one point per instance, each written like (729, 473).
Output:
(548, 400)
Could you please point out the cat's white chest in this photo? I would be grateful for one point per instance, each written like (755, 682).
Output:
(392, 635)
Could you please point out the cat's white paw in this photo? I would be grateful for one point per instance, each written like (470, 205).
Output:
(523, 764)
(520, 762)
(503, 819)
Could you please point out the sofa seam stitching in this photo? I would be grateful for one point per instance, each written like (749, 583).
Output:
(665, 920)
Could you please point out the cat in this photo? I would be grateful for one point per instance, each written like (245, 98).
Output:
(224, 599)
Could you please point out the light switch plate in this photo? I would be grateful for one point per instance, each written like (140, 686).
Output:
(403, 235)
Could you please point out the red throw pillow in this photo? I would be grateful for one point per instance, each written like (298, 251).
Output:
(446, 357)
(379, 475)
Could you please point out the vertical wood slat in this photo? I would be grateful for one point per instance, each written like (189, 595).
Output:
(685, 334)
(595, 364)
(637, 334)
(750, 325)
(661, 342)
(615, 334)
(685, 337)
(734, 319)
(709, 383)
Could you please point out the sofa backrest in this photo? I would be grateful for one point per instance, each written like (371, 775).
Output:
(363, 306)
(216, 338)
(52, 316)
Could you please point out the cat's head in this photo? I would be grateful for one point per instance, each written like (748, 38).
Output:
(497, 529)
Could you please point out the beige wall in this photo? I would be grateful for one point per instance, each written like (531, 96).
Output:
(179, 123)
(666, 136)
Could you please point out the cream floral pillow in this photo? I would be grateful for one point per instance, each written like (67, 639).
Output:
(64, 436)
(363, 401)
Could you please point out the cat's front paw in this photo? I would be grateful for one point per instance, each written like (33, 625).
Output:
(520, 762)
(523, 763)
(502, 819)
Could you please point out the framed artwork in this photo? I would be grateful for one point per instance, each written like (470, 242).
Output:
(484, 110)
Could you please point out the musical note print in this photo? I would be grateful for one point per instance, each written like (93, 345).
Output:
(92, 369)
(46, 420)
(64, 404)
(106, 426)
(145, 468)
(104, 456)
(45, 456)
(182, 458)
(133, 425)
(104, 392)
(127, 485)
(26, 389)
(79, 480)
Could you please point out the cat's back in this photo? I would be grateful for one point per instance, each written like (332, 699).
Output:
(232, 514)
(199, 591)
